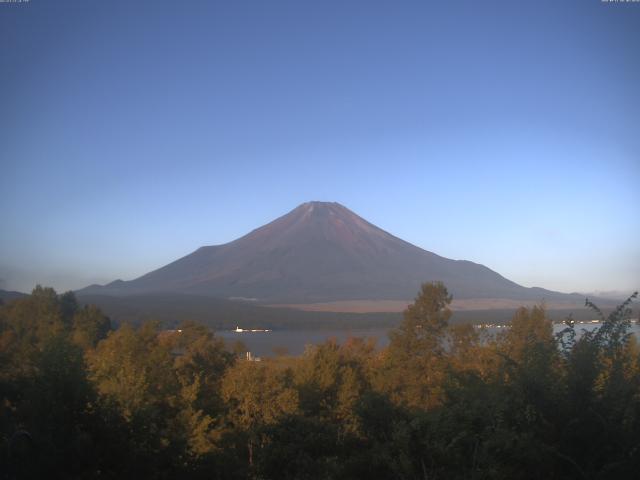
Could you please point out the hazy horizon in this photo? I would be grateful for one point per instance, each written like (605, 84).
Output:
(612, 294)
(504, 134)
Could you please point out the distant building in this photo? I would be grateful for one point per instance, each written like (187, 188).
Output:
(251, 358)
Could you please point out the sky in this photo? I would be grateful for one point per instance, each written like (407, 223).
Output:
(505, 133)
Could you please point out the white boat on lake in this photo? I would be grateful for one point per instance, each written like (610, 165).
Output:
(253, 330)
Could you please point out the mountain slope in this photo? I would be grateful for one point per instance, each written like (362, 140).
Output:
(320, 252)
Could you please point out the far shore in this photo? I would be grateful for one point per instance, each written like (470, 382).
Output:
(395, 306)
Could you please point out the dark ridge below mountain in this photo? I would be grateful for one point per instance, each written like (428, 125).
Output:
(322, 252)
(220, 314)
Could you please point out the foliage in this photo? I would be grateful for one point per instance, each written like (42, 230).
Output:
(80, 400)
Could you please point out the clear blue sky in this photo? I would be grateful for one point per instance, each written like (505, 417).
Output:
(502, 132)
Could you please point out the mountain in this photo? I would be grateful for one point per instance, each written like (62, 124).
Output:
(321, 252)
(7, 295)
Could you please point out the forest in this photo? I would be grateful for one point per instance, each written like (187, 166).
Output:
(82, 400)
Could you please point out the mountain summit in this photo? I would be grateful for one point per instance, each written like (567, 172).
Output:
(320, 252)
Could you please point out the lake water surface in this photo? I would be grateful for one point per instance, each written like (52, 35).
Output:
(294, 341)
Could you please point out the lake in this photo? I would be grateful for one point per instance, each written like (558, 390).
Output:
(294, 341)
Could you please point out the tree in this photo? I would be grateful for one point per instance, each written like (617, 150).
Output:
(603, 395)
(131, 368)
(256, 396)
(48, 405)
(34, 320)
(331, 378)
(424, 324)
(200, 363)
(89, 326)
(55, 410)
(68, 308)
(413, 370)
